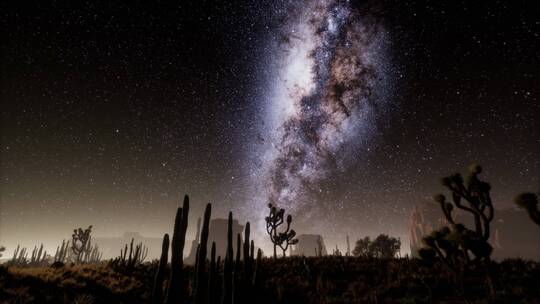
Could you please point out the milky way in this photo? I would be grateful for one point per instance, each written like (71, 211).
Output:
(328, 90)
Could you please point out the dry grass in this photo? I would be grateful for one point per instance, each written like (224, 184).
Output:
(292, 280)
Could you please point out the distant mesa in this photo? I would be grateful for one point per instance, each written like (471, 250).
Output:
(218, 234)
(513, 235)
(309, 245)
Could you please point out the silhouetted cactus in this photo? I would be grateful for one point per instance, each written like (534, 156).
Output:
(248, 258)
(39, 256)
(61, 252)
(157, 290)
(207, 279)
(257, 270)
(287, 237)
(129, 262)
(529, 202)
(471, 195)
(453, 244)
(282, 239)
(175, 289)
(81, 243)
(201, 280)
(273, 221)
(228, 267)
(19, 256)
(213, 294)
(348, 253)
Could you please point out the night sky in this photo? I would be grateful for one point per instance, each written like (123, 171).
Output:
(347, 113)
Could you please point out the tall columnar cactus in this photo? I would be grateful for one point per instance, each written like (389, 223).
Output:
(61, 252)
(348, 246)
(38, 257)
(213, 293)
(529, 202)
(257, 271)
(248, 258)
(201, 280)
(157, 290)
(228, 267)
(19, 256)
(136, 256)
(175, 290)
(236, 272)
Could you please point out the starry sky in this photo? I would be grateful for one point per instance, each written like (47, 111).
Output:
(346, 113)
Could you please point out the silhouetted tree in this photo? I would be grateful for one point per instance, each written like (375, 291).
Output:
(81, 246)
(385, 247)
(453, 244)
(282, 239)
(529, 202)
(362, 247)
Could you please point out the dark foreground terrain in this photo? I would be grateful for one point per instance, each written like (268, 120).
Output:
(331, 279)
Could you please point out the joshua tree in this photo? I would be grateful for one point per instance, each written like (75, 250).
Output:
(529, 202)
(80, 244)
(453, 244)
(286, 238)
(282, 239)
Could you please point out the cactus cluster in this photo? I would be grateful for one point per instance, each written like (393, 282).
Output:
(238, 277)
(61, 252)
(136, 256)
(283, 239)
(39, 257)
(20, 256)
(454, 244)
(82, 248)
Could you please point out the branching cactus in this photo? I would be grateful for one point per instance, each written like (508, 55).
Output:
(453, 244)
(471, 195)
(282, 239)
(529, 202)
(287, 237)
(80, 242)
